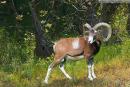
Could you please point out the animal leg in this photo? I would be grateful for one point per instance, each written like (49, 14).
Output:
(56, 61)
(93, 74)
(48, 74)
(61, 66)
(51, 66)
(90, 71)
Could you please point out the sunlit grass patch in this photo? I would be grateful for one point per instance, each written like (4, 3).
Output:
(114, 73)
(111, 67)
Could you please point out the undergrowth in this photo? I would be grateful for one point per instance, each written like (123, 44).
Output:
(111, 67)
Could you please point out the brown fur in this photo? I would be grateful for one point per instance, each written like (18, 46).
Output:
(76, 48)
(64, 47)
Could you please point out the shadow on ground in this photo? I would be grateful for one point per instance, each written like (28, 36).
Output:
(82, 83)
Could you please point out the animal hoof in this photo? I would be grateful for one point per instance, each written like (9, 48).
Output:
(70, 78)
(94, 77)
(90, 78)
(45, 82)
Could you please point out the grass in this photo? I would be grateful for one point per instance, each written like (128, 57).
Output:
(19, 68)
(112, 67)
(115, 73)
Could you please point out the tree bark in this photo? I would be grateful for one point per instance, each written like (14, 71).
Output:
(128, 21)
(43, 48)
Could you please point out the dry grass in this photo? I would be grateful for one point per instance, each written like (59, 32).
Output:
(112, 71)
(115, 73)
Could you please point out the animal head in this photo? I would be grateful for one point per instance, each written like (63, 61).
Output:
(93, 31)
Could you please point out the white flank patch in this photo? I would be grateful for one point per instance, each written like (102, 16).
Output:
(75, 44)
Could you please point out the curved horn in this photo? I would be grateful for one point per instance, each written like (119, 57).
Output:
(88, 26)
(105, 25)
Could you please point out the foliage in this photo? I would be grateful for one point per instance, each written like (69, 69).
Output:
(116, 66)
(59, 18)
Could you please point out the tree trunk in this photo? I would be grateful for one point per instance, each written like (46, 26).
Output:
(128, 21)
(43, 48)
(92, 9)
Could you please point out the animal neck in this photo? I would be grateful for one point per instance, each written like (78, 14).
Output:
(96, 46)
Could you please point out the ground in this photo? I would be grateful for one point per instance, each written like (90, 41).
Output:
(112, 74)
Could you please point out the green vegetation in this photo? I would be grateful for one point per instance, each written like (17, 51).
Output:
(20, 68)
(112, 69)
